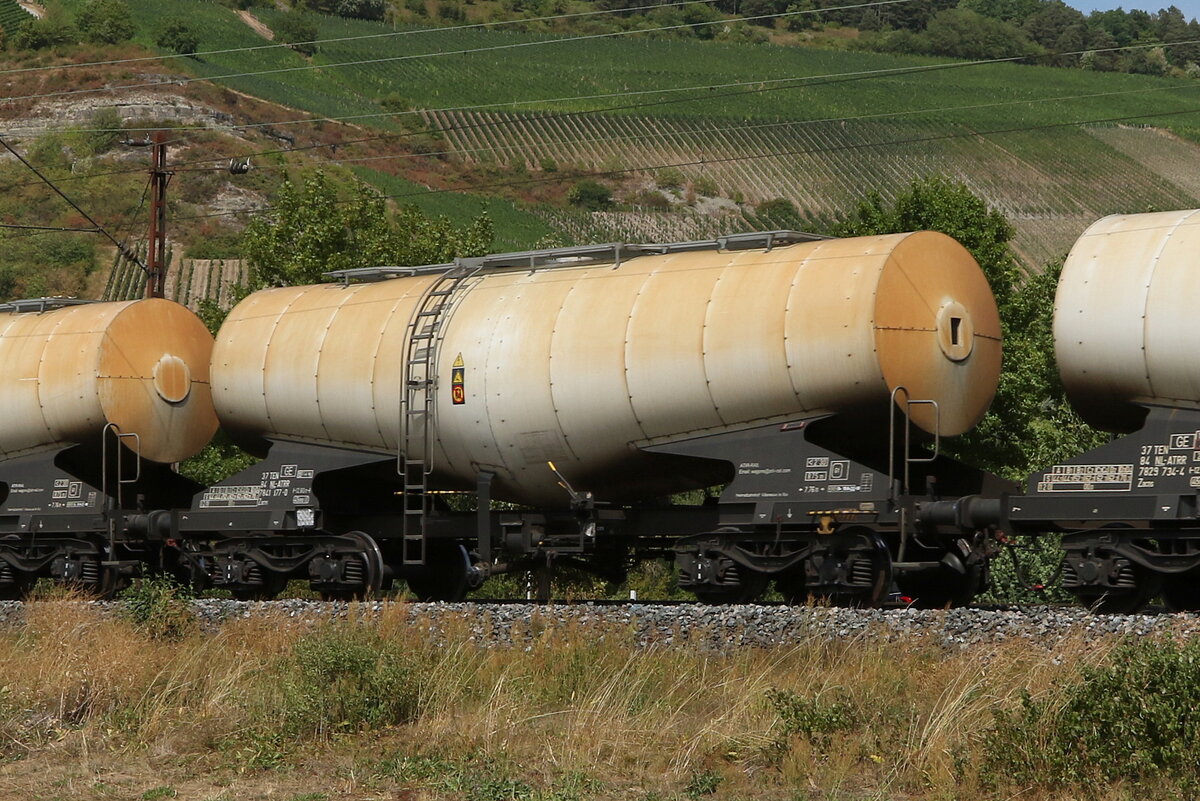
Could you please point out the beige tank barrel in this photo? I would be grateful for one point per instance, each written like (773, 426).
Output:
(1125, 317)
(582, 363)
(140, 365)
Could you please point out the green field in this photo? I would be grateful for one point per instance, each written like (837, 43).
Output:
(846, 129)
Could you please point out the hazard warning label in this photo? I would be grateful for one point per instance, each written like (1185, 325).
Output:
(458, 393)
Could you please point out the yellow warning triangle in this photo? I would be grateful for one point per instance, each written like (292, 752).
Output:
(458, 361)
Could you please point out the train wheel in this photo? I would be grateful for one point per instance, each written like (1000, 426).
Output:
(14, 584)
(855, 572)
(1182, 593)
(272, 584)
(445, 575)
(1124, 601)
(371, 568)
(749, 587)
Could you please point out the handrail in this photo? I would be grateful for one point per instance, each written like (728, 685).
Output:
(608, 253)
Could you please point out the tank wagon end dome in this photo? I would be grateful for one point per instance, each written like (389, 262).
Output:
(937, 331)
(1125, 320)
(140, 365)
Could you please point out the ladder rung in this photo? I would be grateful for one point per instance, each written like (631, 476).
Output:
(431, 312)
(441, 293)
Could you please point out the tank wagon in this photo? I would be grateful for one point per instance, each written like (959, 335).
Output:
(444, 423)
(1125, 331)
(99, 399)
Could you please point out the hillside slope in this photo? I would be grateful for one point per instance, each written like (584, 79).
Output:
(691, 135)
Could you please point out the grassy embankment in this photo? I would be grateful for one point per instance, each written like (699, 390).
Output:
(96, 707)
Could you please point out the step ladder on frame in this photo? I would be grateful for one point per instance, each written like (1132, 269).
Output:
(418, 429)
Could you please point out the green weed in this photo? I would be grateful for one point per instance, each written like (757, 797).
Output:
(158, 607)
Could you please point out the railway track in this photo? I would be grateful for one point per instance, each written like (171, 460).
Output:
(666, 623)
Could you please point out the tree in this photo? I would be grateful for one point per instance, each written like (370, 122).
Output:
(590, 195)
(298, 31)
(778, 213)
(311, 231)
(1014, 11)
(1048, 25)
(52, 30)
(177, 35)
(1030, 423)
(960, 33)
(361, 9)
(105, 21)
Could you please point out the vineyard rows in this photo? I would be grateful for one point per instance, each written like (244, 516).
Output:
(188, 280)
(12, 16)
(1160, 151)
(1049, 193)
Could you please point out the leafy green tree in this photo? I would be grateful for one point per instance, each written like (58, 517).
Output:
(52, 30)
(1014, 11)
(960, 33)
(297, 30)
(1030, 423)
(101, 134)
(778, 213)
(311, 230)
(177, 35)
(105, 21)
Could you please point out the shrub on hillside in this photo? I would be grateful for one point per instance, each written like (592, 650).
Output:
(52, 30)
(778, 213)
(360, 9)
(105, 21)
(176, 35)
(296, 30)
(590, 195)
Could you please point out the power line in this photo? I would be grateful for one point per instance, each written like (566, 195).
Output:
(732, 159)
(98, 228)
(437, 54)
(48, 228)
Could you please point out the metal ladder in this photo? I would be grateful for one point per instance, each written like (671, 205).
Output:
(418, 402)
(909, 459)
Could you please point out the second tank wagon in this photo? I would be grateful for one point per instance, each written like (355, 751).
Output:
(589, 385)
(584, 357)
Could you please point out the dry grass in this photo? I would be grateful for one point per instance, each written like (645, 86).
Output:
(90, 707)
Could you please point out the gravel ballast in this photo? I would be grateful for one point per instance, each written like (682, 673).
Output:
(717, 627)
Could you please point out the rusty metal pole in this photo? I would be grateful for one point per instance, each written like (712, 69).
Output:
(156, 275)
